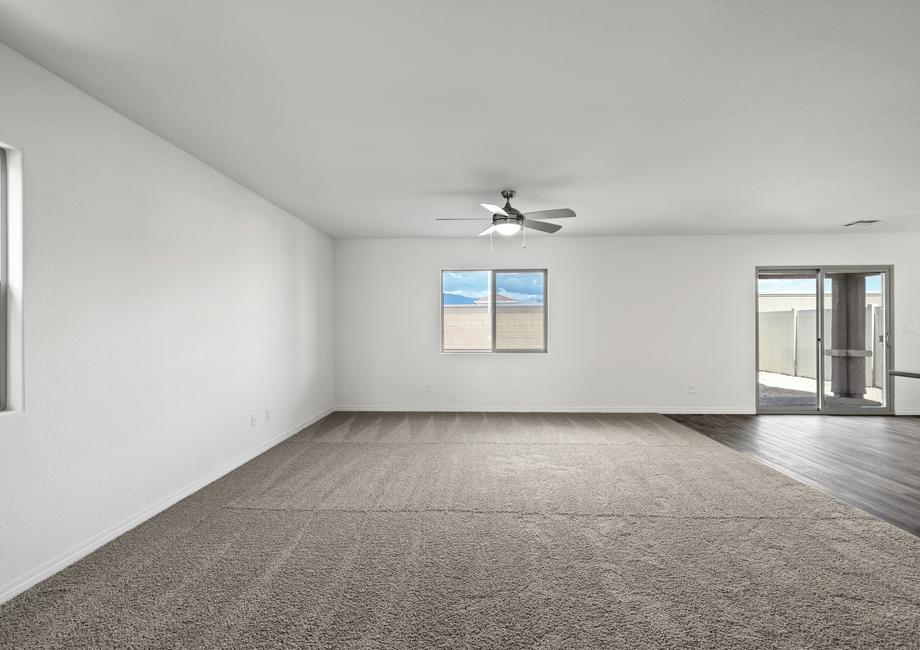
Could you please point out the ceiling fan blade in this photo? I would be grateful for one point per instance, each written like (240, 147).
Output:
(486, 231)
(462, 219)
(541, 225)
(561, 213)
(494, 209)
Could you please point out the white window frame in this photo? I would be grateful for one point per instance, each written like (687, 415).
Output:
(12, 357)
(4, 280)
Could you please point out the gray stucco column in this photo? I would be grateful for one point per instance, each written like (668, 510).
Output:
(848, 335)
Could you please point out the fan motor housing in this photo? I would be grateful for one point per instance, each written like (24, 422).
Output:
(498, 219)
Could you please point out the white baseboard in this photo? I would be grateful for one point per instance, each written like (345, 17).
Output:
(909, 411)
(704, 410)
(663, 410)
(65, 559)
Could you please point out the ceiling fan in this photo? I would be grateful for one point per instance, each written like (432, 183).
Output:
(508, 221)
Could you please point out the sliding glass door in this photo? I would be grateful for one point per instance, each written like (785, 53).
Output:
(822, 340)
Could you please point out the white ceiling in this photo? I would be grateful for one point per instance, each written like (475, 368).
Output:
(373, 118)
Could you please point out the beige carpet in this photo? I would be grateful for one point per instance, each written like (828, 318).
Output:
(490, 531)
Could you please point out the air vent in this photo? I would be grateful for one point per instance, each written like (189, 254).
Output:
(862, 222)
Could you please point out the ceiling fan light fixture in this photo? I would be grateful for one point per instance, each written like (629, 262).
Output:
(509, 221)
(507, 228)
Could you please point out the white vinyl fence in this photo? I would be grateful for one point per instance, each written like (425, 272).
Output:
(787, 342)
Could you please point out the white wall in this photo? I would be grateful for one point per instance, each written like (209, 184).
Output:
(164, 303)
(632, 321)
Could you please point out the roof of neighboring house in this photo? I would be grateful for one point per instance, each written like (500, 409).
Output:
(498, 298)
(458, 299)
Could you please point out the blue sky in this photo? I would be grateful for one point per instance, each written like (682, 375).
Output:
(873, 285)
(523, 287)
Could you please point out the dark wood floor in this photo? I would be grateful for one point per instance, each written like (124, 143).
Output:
(872, 463)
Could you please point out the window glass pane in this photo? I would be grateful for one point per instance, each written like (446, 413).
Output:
(467, 317)
(4, 277)
(519, 310)
(787, 347)
(854, 341)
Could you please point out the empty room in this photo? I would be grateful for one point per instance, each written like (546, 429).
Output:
(459, 324)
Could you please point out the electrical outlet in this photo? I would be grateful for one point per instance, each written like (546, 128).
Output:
(427, 388)
(252, 420)
(691, 389)
(268, 415)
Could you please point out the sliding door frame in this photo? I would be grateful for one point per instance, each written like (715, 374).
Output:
(888, 303)
(781, 271)
(821, 272)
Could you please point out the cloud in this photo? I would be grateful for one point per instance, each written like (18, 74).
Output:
(472, 284)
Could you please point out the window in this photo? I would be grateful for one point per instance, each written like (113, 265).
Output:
(493, 310)
(4, 279)
(11, 358)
